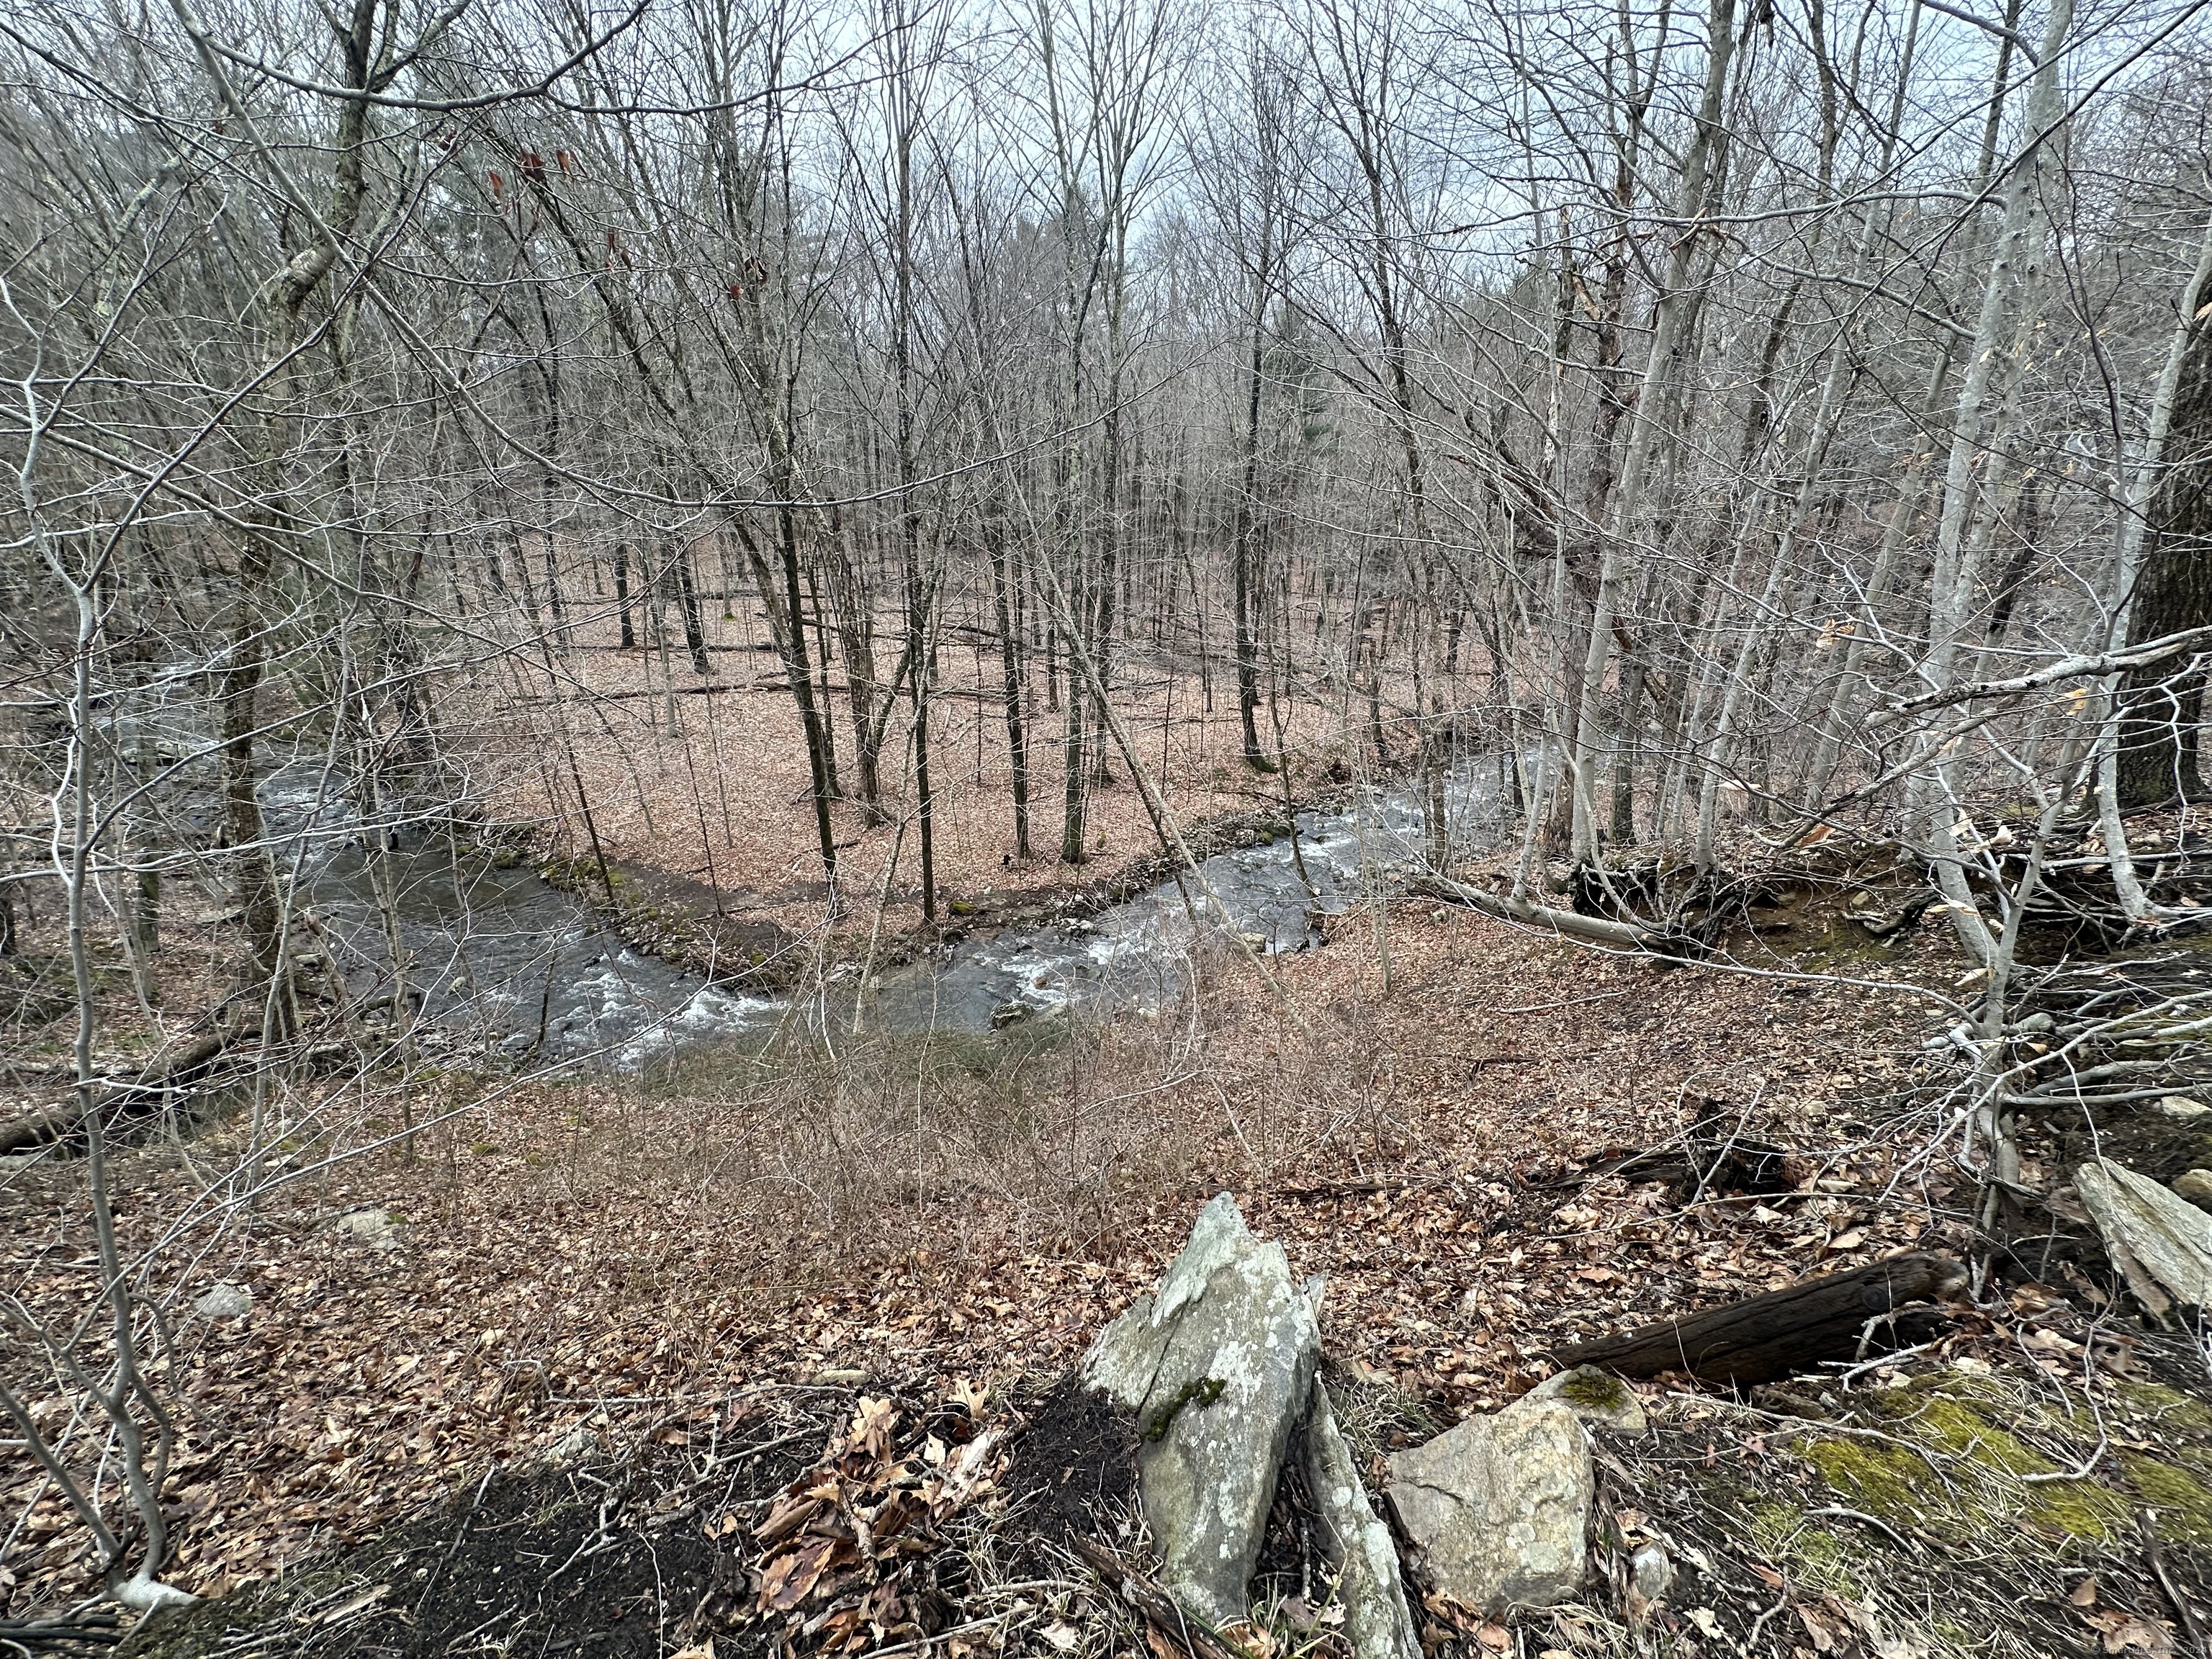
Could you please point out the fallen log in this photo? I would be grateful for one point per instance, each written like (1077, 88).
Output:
(1625, 935)
(126, 1100)
(1701, 1165)
(1842, 1316)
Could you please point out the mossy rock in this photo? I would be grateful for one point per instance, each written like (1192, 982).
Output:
(1983, 1482)
(1596, 1390)
(1946, 1506)
(1980, 1488)
(2181, 1505)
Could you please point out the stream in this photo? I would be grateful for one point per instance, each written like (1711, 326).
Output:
(503, 961)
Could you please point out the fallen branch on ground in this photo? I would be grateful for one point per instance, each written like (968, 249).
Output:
(138, 1097)
(1783, 1331)
(1626, 935)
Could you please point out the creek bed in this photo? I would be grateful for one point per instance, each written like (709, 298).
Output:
(497, 955)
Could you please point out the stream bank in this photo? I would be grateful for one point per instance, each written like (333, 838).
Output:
(920, 1212)
(529, 958)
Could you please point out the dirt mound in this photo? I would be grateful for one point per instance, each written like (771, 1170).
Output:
(1074, 1473)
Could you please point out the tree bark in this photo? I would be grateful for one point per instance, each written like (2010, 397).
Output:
(2161, 710)
(621, 595)
(1783, 1331)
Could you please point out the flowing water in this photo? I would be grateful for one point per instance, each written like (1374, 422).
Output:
(496, 958)
(1137, 954)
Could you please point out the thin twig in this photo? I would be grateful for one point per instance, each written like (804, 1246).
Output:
(1877, 1362)
(2089, 1467)
(1879, 1525)
(2156, 1558)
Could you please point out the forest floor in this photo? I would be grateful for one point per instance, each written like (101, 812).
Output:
(721, 798)
(669, 1296)
(599, 1256)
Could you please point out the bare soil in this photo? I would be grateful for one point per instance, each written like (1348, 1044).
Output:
(1073, 1474)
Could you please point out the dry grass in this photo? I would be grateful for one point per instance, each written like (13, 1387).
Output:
(604, 1256)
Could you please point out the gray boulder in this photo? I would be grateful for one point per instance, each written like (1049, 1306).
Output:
(1497, 1511)
(1216, 1363)
(224, 1302)
(2160, 1241)
(1376, 1621)
(373, 1226)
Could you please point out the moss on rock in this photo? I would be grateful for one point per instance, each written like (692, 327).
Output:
(1981, 1484)
(1596, 1390)
(2182, 1505)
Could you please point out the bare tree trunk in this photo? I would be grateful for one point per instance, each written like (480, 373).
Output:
(1009, 659)
(2160, 710)
(1648, 420)
(2007, 317)
(621, 595)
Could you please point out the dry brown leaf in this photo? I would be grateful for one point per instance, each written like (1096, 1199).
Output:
(2124, 1632)
(791, 1578)
(1823, 1638)
(873, 1421)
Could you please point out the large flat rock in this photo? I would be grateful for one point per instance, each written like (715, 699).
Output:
(1497, 1511)
(1216, 1363)
(2159, 1240)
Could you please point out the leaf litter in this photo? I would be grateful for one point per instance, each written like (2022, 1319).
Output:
(599, 1261)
